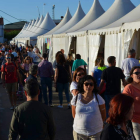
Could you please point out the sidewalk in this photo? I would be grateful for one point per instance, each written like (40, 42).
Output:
(63, 117)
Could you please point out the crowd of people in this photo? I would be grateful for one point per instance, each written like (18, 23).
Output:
(101, 109)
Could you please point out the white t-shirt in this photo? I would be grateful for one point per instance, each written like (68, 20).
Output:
(73, 86)
(128, 64)
(88, 120)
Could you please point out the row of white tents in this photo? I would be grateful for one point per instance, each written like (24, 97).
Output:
(114, 32)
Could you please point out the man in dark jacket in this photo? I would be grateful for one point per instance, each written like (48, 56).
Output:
(32, 120)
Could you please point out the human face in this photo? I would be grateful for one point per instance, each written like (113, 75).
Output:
(27, 60)
(8, 58)
(136, 75)
(130, 113)
(79, 75)
(88, 86)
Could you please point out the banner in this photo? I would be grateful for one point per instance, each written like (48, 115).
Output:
(48, 42)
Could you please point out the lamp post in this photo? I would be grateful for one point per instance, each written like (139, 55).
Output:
(44, 9)
(38, 11)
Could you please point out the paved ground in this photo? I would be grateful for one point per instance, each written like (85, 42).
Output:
(63, 118)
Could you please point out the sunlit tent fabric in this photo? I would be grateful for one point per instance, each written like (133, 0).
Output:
(48, 35)
(123, 31)
(60, 42)
(95, 12)
(75, 19)
(36, 26)
(115, 12)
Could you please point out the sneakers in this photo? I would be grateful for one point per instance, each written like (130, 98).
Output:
(60, 106)
(12, 108)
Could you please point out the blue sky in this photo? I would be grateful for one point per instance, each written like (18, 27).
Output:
(27, 9)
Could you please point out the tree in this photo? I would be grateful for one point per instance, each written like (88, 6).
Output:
(10, 35)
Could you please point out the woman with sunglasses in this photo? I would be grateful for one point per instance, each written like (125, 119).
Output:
(88, 110)
(133, 89)
(78, 73)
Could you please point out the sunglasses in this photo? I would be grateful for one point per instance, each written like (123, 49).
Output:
(8, 57)
(87, 84)
(137, 73)
(80, 74)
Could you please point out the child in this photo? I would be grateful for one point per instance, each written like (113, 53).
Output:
(27, 63)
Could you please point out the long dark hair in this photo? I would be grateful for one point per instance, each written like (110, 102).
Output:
(81, 83)
(130, 79)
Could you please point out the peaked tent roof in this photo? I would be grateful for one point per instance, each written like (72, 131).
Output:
(115, 12)
(95, 12)
(116, 26)
(27, 31)
(61, 24)
(36, 26)
(45, 26)
(74, 20)
(24, 27)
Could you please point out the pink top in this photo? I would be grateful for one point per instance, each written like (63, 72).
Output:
(26, 66)
(135, 93)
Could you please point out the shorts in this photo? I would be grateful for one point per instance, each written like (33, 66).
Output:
(11, 87)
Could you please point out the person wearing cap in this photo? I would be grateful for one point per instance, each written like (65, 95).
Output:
(129, 63)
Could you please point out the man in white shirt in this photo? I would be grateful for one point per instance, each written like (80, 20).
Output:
(129, 63)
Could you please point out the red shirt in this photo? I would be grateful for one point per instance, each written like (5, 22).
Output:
(10, 72)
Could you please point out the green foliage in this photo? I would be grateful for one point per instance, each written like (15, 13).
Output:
(10, 35)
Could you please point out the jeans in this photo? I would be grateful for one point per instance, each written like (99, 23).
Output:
(46, 82)
(136, 130)
(77, 136)
(107, 101)
(61, 87)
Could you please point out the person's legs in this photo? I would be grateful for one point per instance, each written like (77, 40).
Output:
(9, 90)
(107, 101)
(95, 137)
(49, 84)
(66, 87)
(60, 92)
(136, 130)
(77, 136)
(44, 90)
(14, 91)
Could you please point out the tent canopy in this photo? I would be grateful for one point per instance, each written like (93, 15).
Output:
(95, 12)
(45, 26)
(115, 12)
(74, 20)
(61, 24)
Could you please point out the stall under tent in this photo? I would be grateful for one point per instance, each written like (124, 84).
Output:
(45, 41)
(120, 36)
(91, 44)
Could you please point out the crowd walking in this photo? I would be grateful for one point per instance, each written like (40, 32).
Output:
(101, 110)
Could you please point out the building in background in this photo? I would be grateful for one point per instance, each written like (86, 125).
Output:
(1, 30)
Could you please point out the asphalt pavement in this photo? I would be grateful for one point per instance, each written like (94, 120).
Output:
(63, 117)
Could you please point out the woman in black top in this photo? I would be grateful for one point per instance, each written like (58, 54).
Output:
(119, 126)
(62, 78)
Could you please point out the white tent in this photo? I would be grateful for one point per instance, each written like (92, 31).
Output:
(90, 43)
(119, 35)
(61, 24)
(48, 35)
(26, 32)
(35, 27)
(47, 25)
(95, 12)
(61, 41)
(75, 19)
(115, 12)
